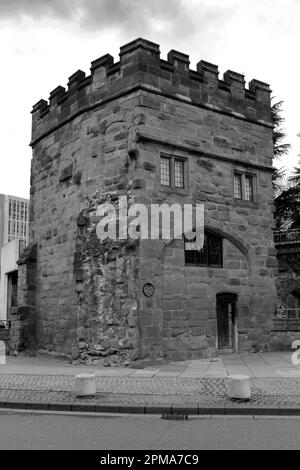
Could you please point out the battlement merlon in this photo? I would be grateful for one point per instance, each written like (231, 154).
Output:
(140, 66)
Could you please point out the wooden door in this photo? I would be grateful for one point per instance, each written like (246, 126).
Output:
(226, 321)
(223, 325)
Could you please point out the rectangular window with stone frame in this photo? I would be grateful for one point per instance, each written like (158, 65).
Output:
(244, 186)
(173, 172)
(211, 253)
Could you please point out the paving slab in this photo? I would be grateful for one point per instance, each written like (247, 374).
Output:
(108, 372)
(144, 373)
(168, 374)
(288, 372)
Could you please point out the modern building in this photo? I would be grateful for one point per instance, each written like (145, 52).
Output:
(153, 131)
(14, 224)
(14, 219)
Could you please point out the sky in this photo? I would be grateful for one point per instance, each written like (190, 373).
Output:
(42, 42)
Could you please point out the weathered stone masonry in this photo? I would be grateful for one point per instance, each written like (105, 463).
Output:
(103, 138)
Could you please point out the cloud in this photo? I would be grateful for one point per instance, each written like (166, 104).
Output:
(175, 18)
(136, 15)
(35, 8)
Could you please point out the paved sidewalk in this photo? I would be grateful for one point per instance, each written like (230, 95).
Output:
(276, 364)
(194, 387)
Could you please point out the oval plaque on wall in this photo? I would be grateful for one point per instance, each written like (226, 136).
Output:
(148, 289)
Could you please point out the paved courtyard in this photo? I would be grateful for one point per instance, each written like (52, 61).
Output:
(274, 381)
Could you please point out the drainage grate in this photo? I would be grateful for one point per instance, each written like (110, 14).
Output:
(240, 400)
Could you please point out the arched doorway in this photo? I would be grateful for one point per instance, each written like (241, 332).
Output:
(227, 338)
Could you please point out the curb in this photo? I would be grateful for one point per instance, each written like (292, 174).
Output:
(226, 410)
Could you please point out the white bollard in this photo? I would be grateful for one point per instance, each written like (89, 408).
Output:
(238, 387)
(85, 385)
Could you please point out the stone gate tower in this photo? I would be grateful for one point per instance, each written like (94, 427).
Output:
(154, 131)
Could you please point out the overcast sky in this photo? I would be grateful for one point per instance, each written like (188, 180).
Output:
(42, 42)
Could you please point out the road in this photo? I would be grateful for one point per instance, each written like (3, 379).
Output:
(21, 430)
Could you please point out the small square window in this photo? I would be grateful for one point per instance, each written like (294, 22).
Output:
(165, 171)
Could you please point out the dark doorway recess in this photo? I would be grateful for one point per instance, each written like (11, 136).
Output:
(227, 322)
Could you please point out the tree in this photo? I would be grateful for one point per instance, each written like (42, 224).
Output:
(287, 204)
(294, 179)
(278, 179)
(280, 148)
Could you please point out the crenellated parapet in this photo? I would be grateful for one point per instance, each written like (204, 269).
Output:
(140, 67)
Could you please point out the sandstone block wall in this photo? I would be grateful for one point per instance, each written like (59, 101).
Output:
(214, 146)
